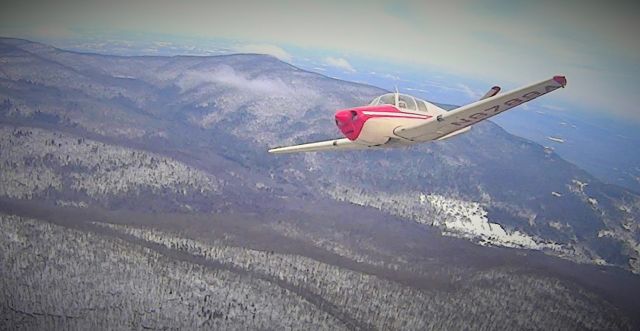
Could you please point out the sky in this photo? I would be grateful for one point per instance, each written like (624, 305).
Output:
(461, 45)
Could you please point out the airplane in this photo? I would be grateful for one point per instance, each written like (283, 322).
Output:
(395, 119)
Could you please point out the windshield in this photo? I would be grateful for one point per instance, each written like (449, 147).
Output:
(388, 99)
(406, 102)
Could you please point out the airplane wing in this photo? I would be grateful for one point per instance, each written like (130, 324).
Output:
(336, 144)
(493, 91)
(462, 117)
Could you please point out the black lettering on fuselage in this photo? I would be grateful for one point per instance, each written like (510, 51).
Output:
(513, 102)
(496, 109)
(532, 95)
(470, 119)
(551, 88)
(461, 122)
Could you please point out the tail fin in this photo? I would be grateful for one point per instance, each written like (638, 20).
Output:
(493, 91)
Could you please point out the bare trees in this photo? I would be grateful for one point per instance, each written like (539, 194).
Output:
(36, 160)
(56, 277)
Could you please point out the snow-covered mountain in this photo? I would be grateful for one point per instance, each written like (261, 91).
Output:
(151, 140)
(203, 109)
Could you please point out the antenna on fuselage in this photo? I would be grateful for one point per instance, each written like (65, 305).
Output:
(397, 93)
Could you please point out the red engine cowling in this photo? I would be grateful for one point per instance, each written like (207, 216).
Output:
(351, 121)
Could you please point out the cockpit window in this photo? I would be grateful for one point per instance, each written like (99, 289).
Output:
(387, 99)
(406, 102)
(421, 105)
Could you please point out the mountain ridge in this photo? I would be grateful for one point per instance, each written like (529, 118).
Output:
(165, 160)
(228, 98)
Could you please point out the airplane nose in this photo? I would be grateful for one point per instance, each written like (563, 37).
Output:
(343, 116)
(346, 122)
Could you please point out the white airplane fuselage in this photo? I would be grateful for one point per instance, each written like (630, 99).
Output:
(375, 125)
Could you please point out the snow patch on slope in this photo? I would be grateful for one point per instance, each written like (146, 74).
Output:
(454, 217)
(468, 219)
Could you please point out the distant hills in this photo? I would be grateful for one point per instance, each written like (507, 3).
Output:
(598, 143)
(221, 114)
(179, 144)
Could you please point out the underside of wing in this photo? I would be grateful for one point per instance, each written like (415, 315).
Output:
(329, 145)
(460, 118)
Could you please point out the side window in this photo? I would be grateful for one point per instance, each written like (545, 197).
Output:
(388, 99)
(374, 101)
(422, 106)
(406, 102)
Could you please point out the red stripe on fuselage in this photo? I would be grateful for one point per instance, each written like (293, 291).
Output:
(389, 116)
(351, 121)
(396, 114)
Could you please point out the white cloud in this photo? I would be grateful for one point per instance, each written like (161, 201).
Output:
(226, 75)
(553, 107)
(259, 86)
(268, 49)
(390, 76)
(416, 89)
(591, 42)
(469, 91)
(385, 75)
(163, 43)
(340, 63)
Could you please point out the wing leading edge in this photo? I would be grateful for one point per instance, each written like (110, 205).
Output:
(329, 145)
(470, 114)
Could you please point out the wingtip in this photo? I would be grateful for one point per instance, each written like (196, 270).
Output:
(277, 150)
(562, 80)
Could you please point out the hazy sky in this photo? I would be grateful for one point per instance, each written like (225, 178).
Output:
(594, 43)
